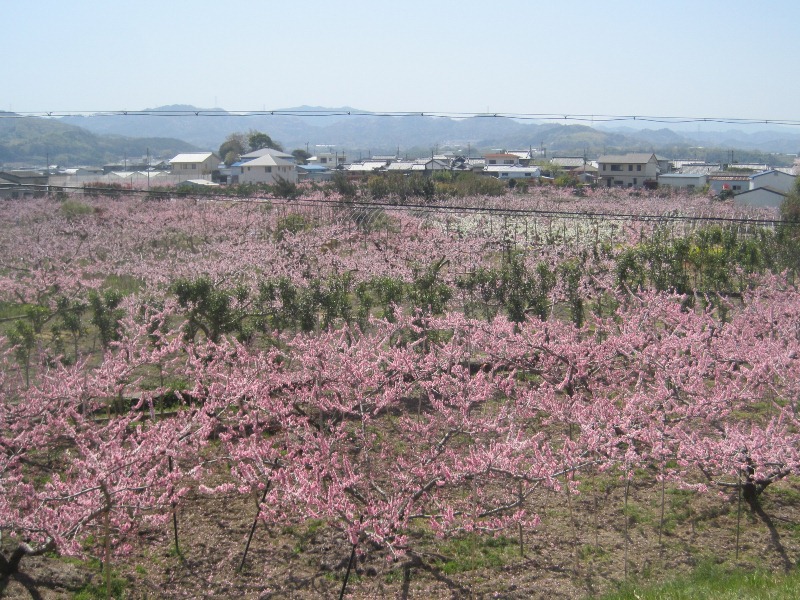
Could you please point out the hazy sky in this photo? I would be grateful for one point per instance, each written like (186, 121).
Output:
(674, 58)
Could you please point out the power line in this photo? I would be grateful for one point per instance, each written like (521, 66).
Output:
(312, 113)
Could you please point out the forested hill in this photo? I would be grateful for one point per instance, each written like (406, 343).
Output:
(29, 141)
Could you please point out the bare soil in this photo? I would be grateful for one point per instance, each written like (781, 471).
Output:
(578, 551)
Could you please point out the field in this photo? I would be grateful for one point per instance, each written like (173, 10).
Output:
(551, 393)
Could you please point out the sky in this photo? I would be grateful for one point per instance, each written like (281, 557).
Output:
(729, 59)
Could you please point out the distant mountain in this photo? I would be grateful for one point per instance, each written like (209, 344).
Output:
(356, 131)
(29, 141)
(361, 133)
(777, 140)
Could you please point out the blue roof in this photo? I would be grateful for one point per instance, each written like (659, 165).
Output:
(312, 167)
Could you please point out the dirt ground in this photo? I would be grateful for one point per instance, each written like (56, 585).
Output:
(578, 551)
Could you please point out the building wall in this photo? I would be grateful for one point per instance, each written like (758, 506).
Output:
(682, 182)
(737, 186)
(774, 179)
(268, 175)
(195, 169)
(759, 197)
(627, 174)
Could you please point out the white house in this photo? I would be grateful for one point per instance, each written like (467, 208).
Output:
(501, 158)
(328, 159)
(266, 166)
(194, 165)
(631, 170)
(512, 171)
(683, 181)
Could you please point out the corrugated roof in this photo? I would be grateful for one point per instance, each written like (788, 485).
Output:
(722, 177)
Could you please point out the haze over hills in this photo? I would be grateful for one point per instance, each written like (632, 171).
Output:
(367, 133)
(167, 130)
(39, 141)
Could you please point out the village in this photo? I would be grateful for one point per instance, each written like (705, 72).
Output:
(758, 185)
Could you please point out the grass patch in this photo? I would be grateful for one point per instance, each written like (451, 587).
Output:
(473, 552)
(712, 581)
(124, 284)
(96, 589)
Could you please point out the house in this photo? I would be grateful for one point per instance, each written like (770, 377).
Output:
(402, 166)
(631, 170)
(741, 182)
(568, 163)
(366, 166)
(525, 156)
(501, 158)
(197, 184)
(762, 196)
(266, 166)
(194, 165)
(777, 180)
(683, 181)
(314, 173)
(729, 182)
(585, 174)
(23, 183)
(330, 160)
(694, 167)
(512, 171)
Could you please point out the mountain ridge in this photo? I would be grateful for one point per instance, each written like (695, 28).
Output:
(362, 133)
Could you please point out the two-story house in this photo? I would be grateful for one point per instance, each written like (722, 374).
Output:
(266, 166)
(194, 165)
(501, 158)
(631, 170)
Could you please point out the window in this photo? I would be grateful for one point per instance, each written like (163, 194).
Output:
(630, 167)
(638, 167)
(616, 167)
(267, 169)
(492, 161)
(194, 166)
(634, 181)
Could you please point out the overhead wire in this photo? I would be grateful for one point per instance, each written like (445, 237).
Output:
(317, 113)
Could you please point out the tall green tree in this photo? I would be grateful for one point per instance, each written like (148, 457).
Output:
(259, 140)
(233, 147)
(301, 156)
